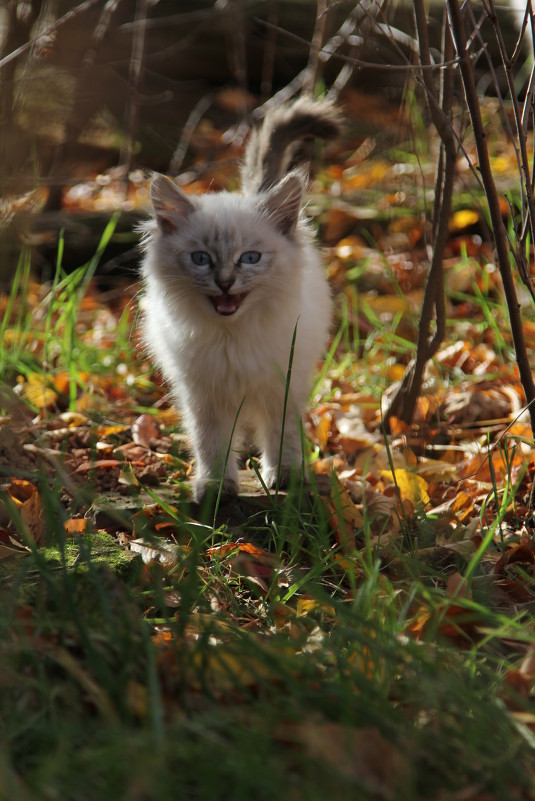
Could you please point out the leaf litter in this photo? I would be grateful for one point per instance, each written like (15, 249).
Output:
(453, 490)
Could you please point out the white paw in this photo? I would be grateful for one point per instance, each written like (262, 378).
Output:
(209, 488)
(269, 475)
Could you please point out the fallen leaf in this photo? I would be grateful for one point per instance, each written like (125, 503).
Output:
(344, 516)
(457, 587)
(411, 486)
(308, 604)
(99, 464)
(27, 501)
(463, 219)
(361, 754)
(75, 526)
(144, 430)
(73, 419)
(161, 552)
(10, 547)
(36, 390)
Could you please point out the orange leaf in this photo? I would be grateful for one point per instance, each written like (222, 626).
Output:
(75, 526)
(26, 498)
(246, 547)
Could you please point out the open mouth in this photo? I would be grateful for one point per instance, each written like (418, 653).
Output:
(226, 304)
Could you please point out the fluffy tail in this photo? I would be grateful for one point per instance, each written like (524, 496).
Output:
(277, 146)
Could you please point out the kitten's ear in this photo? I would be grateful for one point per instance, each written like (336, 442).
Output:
(283, 202)
(171, 205)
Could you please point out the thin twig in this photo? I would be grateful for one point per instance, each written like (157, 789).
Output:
(268, 62)
(195, 116)
(500, 238)
(440, 104)
(316, 44)
(326, 54)
(135, 72)
(528, 204)
(84, 6)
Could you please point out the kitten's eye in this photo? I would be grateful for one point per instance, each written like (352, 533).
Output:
(250, 257)
(201, 258)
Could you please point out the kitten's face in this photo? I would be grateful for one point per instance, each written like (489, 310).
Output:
(224, 245)
(225, 256)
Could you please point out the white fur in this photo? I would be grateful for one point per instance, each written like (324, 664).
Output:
(215, 362)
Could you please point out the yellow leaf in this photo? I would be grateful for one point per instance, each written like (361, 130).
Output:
(73, 419)
(392, 305)
(12, 336)
(322, 430)
(226, 667)
(393, 372)
(411, 487)
(500, 164)
(347, 564)
(367, 177)
(108, 431)
(307, 605)
(36, 390)
(463, 219)
(388, 304)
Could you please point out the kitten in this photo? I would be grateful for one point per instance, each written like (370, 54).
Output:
(227, 278)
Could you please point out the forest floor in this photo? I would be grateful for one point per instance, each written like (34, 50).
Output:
(369, 635)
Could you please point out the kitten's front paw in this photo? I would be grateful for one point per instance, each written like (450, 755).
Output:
(208, 489)
(286, 473)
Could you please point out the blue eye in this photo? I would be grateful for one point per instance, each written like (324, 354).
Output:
(250, 257)
(201, 258)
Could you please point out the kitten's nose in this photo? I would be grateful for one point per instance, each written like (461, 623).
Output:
(224, 283)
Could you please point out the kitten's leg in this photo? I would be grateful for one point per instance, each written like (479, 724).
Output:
(292, 456)
(210, 434)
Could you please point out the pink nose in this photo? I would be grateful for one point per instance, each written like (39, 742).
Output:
(224, 285)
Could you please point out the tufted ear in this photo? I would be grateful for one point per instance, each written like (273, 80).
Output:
(283, 202)
(171, 206)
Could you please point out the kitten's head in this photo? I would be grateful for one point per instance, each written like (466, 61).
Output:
(225, 246)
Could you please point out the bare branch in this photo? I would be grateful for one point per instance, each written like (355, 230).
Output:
(457, 25)
(84, 6)
(316, 43)
(135, 71)
(440, 101)
(193, 120)
(326, 54)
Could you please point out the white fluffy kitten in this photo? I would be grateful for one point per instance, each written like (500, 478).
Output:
(227, 278)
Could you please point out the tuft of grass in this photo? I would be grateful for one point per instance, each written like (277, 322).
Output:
(95, 704)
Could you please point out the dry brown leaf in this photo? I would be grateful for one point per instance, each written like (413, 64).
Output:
(362, 754)
(10, 547)
(457, 587)
(344, 516)
(144, 430)
(161, 552)
(99, 464)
